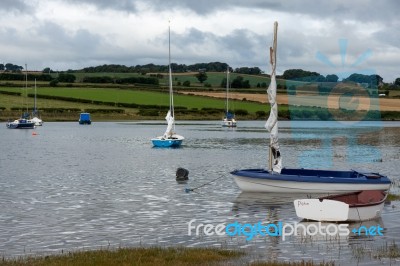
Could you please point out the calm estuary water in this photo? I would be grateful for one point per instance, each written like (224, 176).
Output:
(73, 187)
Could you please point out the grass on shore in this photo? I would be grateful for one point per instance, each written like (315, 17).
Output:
(149, 256)
(132, 256)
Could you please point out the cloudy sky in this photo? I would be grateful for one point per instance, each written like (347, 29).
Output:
(329, 37)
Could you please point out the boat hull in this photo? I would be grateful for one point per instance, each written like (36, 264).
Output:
(173, 142)
(37, 121)
(350, 207)
(21, 125)
(259, 180)
(84, 119)
(229, 123)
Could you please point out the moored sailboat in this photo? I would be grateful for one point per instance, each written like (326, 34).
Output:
(229, 120)
(278, 179)
(35, 113)
(23, 122)
(170, 138)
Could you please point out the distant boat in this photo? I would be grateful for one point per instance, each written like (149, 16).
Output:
(229, 120)
(84, 119)
(24, 122)
(170, 138)
(286, 180)
(357, 206)
(35, 114)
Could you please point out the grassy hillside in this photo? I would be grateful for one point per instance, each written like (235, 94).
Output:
(137, 97)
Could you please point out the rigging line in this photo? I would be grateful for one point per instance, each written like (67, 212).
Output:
(187, 190)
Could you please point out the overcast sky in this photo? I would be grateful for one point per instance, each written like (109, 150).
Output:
(329, 37)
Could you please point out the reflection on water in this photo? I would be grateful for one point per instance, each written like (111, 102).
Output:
(72, 187)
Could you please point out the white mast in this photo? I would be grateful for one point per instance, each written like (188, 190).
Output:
(171, 96)
(227, 91)
(26, 85)
(170, 115)
(34, 109)
(275, 163)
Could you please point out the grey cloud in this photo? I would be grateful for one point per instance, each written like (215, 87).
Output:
(14, 6)
(128, 6)
(81, 40)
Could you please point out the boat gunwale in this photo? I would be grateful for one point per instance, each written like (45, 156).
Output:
(266, 175)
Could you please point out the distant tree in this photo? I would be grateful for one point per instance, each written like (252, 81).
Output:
(2, 67)
(53, 83)
(70, 78)
(369, 79)
(201, 76)
(13, 68)
(239, 82)
(223, 83)
(319, 78)
(397, 82)
(47, 70)
(332, 78)
(248, 70)
(186, 83)
(300, 74)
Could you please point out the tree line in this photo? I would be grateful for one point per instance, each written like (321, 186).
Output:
(177, 68)
(290, 74)
(308, 76)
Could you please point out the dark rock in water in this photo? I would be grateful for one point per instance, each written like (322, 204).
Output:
(182, 174)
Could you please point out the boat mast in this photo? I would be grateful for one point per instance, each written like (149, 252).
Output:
(227, 91)
(34, 103)
(171, 96)
(26, 85)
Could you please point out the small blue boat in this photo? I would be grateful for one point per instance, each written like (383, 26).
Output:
(174, 141)
(84, 119)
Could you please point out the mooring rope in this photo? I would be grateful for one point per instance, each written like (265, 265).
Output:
(187, 190)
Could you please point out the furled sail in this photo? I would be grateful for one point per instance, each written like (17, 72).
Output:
(272, 123)
(170, 120)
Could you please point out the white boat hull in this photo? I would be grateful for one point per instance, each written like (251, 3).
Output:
(37, 121)
(282, 186)
(335, 211)
(229, 122)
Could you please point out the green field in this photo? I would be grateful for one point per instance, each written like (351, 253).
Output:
(140, 97)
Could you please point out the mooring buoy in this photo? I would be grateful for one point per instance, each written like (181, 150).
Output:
(182, 174)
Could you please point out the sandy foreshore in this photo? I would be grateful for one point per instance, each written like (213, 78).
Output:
(331, 101)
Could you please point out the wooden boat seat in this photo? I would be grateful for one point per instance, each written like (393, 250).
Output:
(359, 198)
(368, 196)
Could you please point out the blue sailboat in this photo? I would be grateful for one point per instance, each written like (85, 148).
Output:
(283, 180)
(170, 138)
